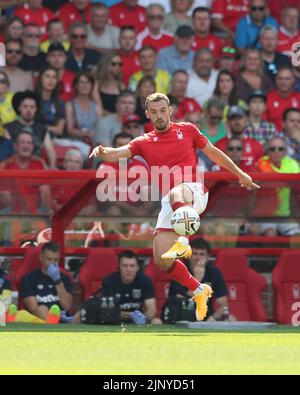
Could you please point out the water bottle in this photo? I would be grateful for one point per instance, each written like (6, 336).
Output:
(104, 303)
(111, 304)
(2, 313)
(226, 313)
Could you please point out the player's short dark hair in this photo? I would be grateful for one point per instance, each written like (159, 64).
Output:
(200, 244)
(51, 246)
(127, 254)
(156, 97)
(288, 111)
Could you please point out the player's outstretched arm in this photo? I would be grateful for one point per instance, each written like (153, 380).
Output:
(109, 154)
(224, 161)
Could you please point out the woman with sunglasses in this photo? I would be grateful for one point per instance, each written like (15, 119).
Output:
(7, 113)
(252, 75)
(108, 83)
(226, 91)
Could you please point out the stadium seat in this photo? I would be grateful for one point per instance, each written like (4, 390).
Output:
(244, 286)
(286, 283)
(98, 264)
(161, 282)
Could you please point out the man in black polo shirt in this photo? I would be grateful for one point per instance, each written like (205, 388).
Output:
(47, 285)
(207, 273)
(133, 289)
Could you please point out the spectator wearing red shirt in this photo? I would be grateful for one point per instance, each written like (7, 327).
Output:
(226, 14)
(33, 12)
(282, 97)
(276, 7)
(203, 37)
(78, 10)
(57, 58)
(128, 13)
(185, 104)
(289, 32)
(129, 56)
(21, 195)
(237, 122)
(153, 34)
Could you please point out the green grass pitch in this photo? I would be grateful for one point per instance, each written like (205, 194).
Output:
(80, 349)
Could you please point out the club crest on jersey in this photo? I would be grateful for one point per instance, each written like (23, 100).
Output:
(179, 134)
(155, 138)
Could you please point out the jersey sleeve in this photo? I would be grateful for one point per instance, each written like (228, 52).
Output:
(67, 283)
(135, 146)
(199, 139)
(148, 290)
(107, 287)
(219, 286)
(27, 286)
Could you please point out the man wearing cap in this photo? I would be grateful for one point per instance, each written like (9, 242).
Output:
(179, 55)
(257, 128)
(132, 125)
(26, 106)
(57, 59)
(237, 121)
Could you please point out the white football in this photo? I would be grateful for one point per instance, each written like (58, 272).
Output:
(185, 221)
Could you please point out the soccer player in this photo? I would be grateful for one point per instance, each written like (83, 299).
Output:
(174, 144)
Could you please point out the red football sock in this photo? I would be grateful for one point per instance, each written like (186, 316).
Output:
(177, 205)
(180, 273)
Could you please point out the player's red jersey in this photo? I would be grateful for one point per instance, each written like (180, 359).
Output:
(40, 17)
(120, 15)
(229, 11)
(276, 105)
(69, 14)
(175, 147)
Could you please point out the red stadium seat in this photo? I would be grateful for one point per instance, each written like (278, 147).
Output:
(161, 282)
(244, 286)
(98, 264)
(286, 283)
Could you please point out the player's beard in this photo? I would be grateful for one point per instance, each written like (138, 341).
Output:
(161, 124)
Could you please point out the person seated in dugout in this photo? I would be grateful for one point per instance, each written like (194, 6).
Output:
(179, 296)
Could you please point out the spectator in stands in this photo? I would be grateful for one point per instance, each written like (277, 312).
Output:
(276, 7)
(47, 285)
(147, 60)
(203, 36)
(291, 132)
(33, 59)
(132, 125)
(296, 71)
(145, 87)
(226, 14)
(110, 125)
(213, 126)
(154, 34)
(108, 83)
(7, 112)
(56, 35)
(57, 58)
(178, 90)
(273, 59)
(34, 12)
(135, 290)
(289, 32)
(178, 16)
(226, 91)
(257, 128)
(179, 55)
(206, 272)
(282, 97)
(237, 122)
(73, 160)
(129, 56)
(26, 105)
(23, 197)
(19, 80)
(75, 11)
(52, 109)
(82, 114)
(102, 36)
(128, 13)
(249, 26)
(228, 60)
(13, 28)
(252, 75)
(79, 56)
(203, 77)
(6, 148)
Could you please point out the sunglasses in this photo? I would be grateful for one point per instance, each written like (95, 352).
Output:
(116, 64)
(234, 148)
(257, 8)
(32, 35)
(159, 17)
(81, 36)
(16, 51)
(3, 81)
(276, 149)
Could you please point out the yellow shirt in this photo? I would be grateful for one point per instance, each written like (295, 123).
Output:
(7, 113)
(44, 46)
